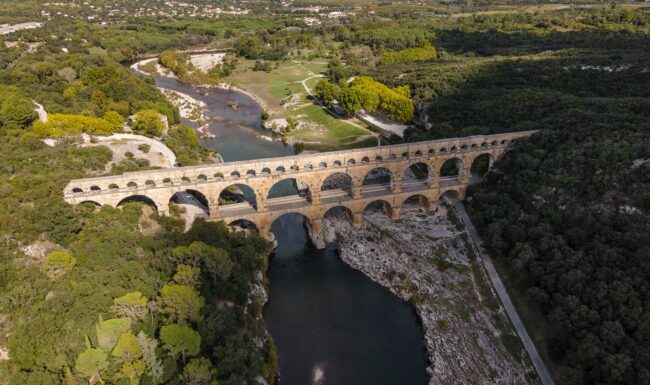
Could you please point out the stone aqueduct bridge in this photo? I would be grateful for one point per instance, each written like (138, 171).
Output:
(310, 170)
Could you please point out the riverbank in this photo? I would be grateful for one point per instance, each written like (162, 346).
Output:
(424, 259)
(190, 108)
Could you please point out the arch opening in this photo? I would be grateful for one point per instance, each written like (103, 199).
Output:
(335, 187)
(417, 172)
(481, 165)
(77, 190)
(95, 188)
(455, 194)
(91, 205)
(377, 180)
(378, 206)
(244, 225)
(417, 201)
(289, 187)
(139, 199)
(338, 213)
(237, 193)
(451, 168)
(194, 202)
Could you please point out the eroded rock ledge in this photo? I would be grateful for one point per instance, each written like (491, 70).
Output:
(424, 259)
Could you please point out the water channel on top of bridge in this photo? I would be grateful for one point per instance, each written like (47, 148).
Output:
(328, 320)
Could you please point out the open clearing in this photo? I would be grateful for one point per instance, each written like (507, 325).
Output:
(284, 95)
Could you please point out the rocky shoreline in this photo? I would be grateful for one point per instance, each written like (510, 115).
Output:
(424, 259)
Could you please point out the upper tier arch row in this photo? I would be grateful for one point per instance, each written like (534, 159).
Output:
(263, 168)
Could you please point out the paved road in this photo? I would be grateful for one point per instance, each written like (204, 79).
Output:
(542, 371)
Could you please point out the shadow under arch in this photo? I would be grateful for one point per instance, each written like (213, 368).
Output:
(337, 181)
(455, 194)
(378, 205)
(416, 200)
(286, 229)
(139, 199)
(91, 204)
(244, 224)
(377, 181)
(287, 187)
(339, 212)
(451, 168)
(417, 171)
(191, 197)
(237, 193)
(482, 164)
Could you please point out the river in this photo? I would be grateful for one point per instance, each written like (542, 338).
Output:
(331, 324)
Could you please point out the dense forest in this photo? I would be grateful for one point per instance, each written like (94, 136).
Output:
(80, 284)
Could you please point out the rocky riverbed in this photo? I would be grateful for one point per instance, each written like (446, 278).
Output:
(425, 259)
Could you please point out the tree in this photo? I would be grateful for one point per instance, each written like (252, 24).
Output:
(179, 339)
(326, 91)
(149, 122)
(127, 348)
(114, 118)
(91, 363)
(152, 363)
(351, 101)
(63, 124)
(181, 303)
(68, 74)
(109, 332)
(16, 112)
(133, 370)
(58, 263)
(199, 371)
(132, 305)
(187, 275)
(213, 260)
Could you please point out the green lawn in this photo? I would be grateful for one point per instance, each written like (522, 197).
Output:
(333, 132)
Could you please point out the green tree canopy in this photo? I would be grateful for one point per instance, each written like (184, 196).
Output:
(187, 275)
(180, 340)
(148, 122)
(132, 305)
(57, 263)
(199, 371)
(180, 303)
(109, 332)
(127, 348)
(91, 363)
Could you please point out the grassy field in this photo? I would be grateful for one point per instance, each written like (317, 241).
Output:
(279, 84)
(284, 95)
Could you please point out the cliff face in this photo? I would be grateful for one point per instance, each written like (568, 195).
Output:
(423, 258)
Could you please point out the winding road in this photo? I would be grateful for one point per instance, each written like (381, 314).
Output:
(497, 283)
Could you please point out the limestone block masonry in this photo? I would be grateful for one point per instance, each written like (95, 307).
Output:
(208, 181)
